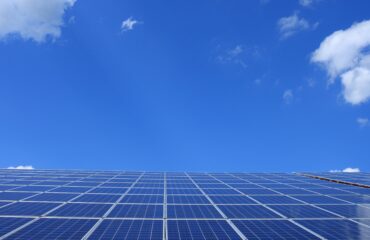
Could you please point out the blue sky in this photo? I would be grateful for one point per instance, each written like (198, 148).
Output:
(209, 85)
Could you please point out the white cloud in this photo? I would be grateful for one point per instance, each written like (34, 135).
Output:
(236, 55)
(32, 19)
(346, 170)
(288, 96)
(363, 122)
(128, 24)
(351, 170)
(290, 25)
(305, 3)
(345, 54)
(21, 167)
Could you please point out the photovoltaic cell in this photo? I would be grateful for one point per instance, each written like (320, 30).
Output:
(136, 211)
(272, 229)
(187, 199)
(319, 199)
(102, 198)
(302, 211)
(349, 211)
(200, 229)
(153, 199)
(15, 195)
(9, 224)
(27, 209)
(192, 211)
(47, 228)
(52, 197)
(234, 199)
(81, 210)
(129, 229)
(275, 199)
(247, 211)
(337, 229)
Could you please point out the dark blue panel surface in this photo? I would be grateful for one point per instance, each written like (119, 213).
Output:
(200, 229)
(47, 229)
(337, 229)
(136, 211)
(272, 229)
(302, 211)
(129, 229)
(81, 210)
(27, 209)
(247, 211)
(192, 211)
(9, 224)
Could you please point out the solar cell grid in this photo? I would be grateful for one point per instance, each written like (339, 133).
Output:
(192, 211)
(129, 229)
(27, 209)
(154, 199)
(81, 210)
(247, 211)
(46, 229)
(187, 199)
(52, 197)
(231, 199)
(9, 224)
(137, 211)
(102, 198)
(302, 211)
(201, 229)
(272, 229)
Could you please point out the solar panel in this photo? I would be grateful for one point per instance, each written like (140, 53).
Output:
(247, 211)
(63, 204)
(192, 211)
(49, 228)
(8, 224)
(136, 211)
(81, 210)
(200, 229)
(337, 229)
(272, 229)
(129, 229)
(27, 209)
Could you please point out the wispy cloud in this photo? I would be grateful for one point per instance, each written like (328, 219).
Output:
(346, 170)
(363, 122)
(306, 3)
(22, 167)
(345, 54)
(288, 26)
(288, 96)
(32, 19)
(129, 24)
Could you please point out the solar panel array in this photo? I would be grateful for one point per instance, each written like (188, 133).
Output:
(46, 204)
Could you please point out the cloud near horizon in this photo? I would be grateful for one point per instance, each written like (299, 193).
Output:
(22, 167)
(346, 170)
(288, 26)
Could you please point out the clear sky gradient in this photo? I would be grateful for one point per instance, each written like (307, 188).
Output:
(203, 85)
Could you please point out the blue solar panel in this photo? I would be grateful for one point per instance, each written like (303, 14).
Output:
(319, 199)
(9, 224)
(275, 199)
(109, 190)
(71, 189)
(81, 210)
(349, 211)
(200, 229)
(143, 199)
(129, 229)
(46, 229)
(15, 195)
(136, 211)
(102, 198)
(187, 199)
(302, 211)
(233, 199)
(27, 209)
(272, 229)
(192, 211)
(247, 211)
(337, 229)
(171, 206)
(52, 197)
